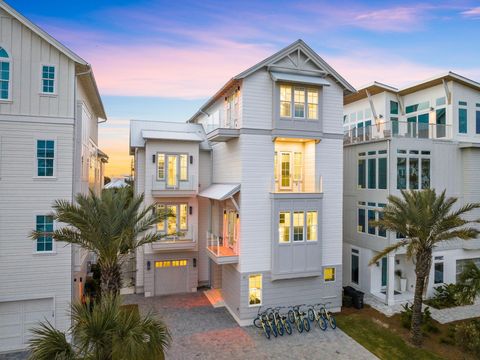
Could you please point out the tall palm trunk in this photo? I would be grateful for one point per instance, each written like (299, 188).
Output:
(422, 270)
(110, 279)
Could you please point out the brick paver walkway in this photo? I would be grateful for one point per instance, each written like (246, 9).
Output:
(200, 331)
(444, 316)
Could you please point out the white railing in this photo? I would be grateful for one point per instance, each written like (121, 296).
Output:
(220, 246)
(181, 236)
(400, 129)
(163, 185)
(307, 185)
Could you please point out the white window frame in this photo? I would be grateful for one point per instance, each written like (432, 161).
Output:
(55, 67)
(54, 243)
(55, 157)
(439, 259)
(165, 172)
(354, 252)
(306, 89)
(10, 74)
(291, 213)
(165, 221)
(334, 275)
(261, 290)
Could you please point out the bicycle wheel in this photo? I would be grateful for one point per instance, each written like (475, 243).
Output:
(288, 327)
(274, 329)
(299, 325)
(291, 316)
(266, 331)
(311, 315)
(333, 322)
(280, 328)
(257, 322)
(306, 324)
(322, 323)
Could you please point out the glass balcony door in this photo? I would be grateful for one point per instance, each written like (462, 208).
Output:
(285, 170)
(172, 173)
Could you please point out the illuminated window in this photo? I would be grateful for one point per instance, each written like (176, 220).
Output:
(161, 224)
(177, 221)
(284, 227)
(299, 102)
(312, 225)
(285, 101)
(183, 216)
(161, 166)
(172, 170)
(329, 274)
(297, 166)
(298, 225)
(48, 79)
(285, 164)
(170, 263)
(254, 290)
(183, 167)
(312, 104)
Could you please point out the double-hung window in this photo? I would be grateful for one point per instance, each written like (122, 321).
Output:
(255, 290)
(176, 222)
(4, 75)
(45, 158)
(312, 225)
(44, 225)
(298, 226)
(305, 226)
(298, 102)
(284, 227)
(48, 79)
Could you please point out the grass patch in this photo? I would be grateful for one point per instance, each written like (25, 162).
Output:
(379, 340)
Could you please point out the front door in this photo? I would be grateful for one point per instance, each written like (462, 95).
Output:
(285, 171)
(384, 272)
(172, 178)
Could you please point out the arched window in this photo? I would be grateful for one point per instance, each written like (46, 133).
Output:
(4, 75)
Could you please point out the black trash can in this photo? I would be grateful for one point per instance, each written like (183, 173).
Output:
(349, 291)
(358, 300)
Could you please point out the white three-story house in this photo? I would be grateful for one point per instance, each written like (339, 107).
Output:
(49, 111)
(426, 135)
(255, 180)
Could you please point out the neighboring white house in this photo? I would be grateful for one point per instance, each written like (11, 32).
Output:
(422, 136)
(49, 111)
(255, 181)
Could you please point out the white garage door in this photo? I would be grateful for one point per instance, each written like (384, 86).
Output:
(18, 317)
(171, 277)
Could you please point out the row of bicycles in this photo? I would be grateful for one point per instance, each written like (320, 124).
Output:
(280, 320)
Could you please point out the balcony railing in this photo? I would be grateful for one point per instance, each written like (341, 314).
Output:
(398, 129)
(221, 250)
(306, 185)
(183, 240)
(178, 185)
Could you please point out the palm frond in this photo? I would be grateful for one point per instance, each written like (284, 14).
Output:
(49, 343)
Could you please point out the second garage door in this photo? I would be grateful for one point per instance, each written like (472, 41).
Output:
(18, 317)
(171, 277)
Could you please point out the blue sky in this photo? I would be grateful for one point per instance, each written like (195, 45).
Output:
(162, 59)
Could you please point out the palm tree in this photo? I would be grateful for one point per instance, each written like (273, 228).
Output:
(111, 225)
(106, 331)
(425, 220)
(470, 282)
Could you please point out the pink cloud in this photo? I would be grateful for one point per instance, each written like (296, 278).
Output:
(167, 71)
(472, 13)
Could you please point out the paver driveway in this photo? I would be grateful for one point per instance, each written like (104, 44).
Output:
(200, 331)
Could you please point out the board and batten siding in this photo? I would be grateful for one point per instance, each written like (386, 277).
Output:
(25, 274)
(27, 52)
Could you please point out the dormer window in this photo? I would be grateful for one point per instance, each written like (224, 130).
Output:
(4, 75)
(298, 102)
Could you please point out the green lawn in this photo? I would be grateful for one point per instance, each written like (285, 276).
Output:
(380, 341)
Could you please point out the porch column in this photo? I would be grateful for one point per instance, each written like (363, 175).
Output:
(390, 279)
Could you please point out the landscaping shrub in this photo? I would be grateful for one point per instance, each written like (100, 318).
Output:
(449, 338)
(467, 336)
(448, 295)
(428, 325)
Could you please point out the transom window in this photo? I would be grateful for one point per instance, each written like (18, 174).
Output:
(45, 157)
(48, 79)
(255, 290)
(4, 75)
(298, 102)
(176, 222)
(305, 226)
(172, 168)
(44, 224)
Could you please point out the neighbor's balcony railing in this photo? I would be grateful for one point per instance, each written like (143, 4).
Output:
(221, 250)
(164, 185)
(399, 129)
(306, 185)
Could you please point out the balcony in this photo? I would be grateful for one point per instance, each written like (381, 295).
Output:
(178, 188)
(220, 250)
(397, 129)
(289, 185)
(224, 133)
(183, 241)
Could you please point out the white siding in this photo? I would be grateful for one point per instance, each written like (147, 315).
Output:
(258, 101)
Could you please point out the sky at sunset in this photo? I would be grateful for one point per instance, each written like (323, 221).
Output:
(160, 60)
